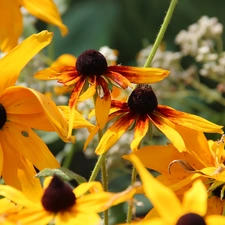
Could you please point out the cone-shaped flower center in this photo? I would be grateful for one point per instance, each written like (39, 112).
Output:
(3, 116)
(142, 100)
(91, 62)
(58, 196)
(190, 219)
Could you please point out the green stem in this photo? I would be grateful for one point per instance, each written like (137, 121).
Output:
(105, 187)
(69, 157)
(131, 205)
(161, 32)
(97, 167)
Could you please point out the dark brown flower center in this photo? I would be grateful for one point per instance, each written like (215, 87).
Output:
(91, 62)
(3, 116)
(191, 219)
(142, 100)
(58, 196)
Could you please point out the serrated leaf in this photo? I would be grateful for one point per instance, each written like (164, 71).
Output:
(63, 173)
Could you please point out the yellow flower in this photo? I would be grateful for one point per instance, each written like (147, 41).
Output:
(203, 159)
(91, 69)
(11, 19)
(142, 108)
(171, 211)
(64, 205)
(22, 109)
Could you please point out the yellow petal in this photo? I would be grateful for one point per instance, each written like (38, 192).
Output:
(195, 199)
(113, 134)
(27, 143)
(166, 127)
(15, 60)
(64, 60)
(139, 75)
(91, 136)
(88, 93)
(215, 219)
(141, 129)
(83, 188)
(160, 196)
(188, 120)
(80, 122)
(15, 196)
(19, 172)
(35, 103)
(10, 23)
(102, 108)
(47, 11)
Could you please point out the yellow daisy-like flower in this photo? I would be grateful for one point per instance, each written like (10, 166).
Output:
(203, 159)
(142, 108)
(171, 211)
(61, 204)
(90, 73)
(22, 109)
(11, 19)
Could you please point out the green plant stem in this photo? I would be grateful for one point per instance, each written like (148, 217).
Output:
(161, 32)
(105, 187)
(69, 157)
(130, 206)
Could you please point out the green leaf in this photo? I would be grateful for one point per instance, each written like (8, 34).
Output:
(63, 173)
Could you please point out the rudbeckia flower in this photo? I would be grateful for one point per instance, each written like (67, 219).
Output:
(142, 108)
(203, 160)
(21, 110)
(61, 204)
(11, 19)
(192, 210)
(91, 73)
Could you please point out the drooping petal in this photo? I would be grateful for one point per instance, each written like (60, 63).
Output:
(215, 206)
(73, 101)
(195, 199)
(163, 199)
(78, 217)
(15, 195)
(13, 62)
(118, 79)
(141, 129)
(89, 92)
(66, 75)
(140, 75)
(198, 146)
(33, 214)
(91, 136)
(188, 120)
(18, 171)
(102, 108)
(83, 188)
(151, 157)
(47, 11)
(80, 122)
(113, 134)
(166, 127)
(27, 143)
(21, 100)
(10, 23)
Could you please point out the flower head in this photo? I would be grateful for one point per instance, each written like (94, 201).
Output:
(11, 24)
(92, 73)
(192, 210)
(64, 205)
(21, 110)
(142, 108)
